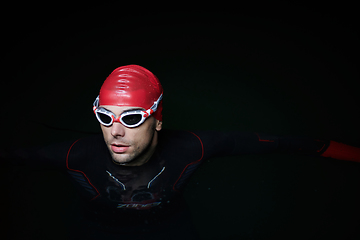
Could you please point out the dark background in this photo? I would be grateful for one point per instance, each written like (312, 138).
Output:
(286, 69)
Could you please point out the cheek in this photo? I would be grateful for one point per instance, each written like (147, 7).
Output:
(143, 137)
(106, 132)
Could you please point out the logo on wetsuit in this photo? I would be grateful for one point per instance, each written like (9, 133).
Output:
(143, 197)
(138, 205)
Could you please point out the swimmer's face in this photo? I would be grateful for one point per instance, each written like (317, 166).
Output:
(131, 146)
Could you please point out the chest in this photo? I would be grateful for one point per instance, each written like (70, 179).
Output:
(119, 188)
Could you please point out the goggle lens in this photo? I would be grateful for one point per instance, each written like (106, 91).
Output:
(105, 119)
(132, 119)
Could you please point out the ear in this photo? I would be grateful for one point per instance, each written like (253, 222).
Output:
(158, 126)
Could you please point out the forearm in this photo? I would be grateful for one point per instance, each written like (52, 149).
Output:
(342, 152)
(324, 148)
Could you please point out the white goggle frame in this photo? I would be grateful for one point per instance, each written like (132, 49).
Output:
(144, 114)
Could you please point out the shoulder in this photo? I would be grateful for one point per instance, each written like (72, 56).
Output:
(86, 146)
(179, 138)
(88, 142)
(179, 144)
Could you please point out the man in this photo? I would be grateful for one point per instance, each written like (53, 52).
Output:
(131, 177)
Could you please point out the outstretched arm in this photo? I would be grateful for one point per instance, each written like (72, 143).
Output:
(51, 156)
(238, 143)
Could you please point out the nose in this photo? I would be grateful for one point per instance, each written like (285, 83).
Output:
(117, 130)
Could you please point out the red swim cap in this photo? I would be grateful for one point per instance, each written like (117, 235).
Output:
(134, 86)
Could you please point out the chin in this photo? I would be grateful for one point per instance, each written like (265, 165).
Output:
(121, 160)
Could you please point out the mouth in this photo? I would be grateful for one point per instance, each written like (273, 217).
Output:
(119, 148)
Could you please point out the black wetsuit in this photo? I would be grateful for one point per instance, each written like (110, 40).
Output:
(120, 200)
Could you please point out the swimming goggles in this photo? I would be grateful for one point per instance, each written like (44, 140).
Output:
(131, 119)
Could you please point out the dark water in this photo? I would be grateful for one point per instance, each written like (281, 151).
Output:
(291, 73)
